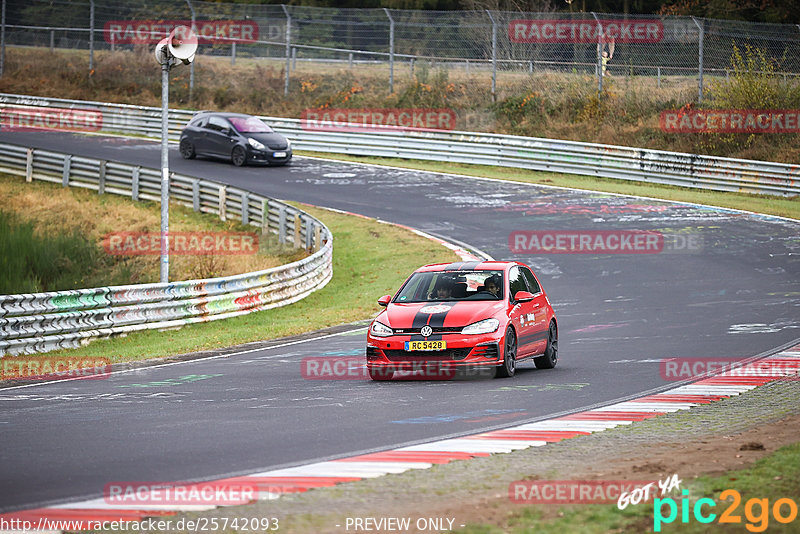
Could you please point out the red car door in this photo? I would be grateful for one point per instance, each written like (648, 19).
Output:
(523, 314)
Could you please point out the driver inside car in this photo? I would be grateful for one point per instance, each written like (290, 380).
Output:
(492, 285)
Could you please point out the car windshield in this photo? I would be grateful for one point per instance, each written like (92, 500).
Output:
(452, 285)
(249, 125)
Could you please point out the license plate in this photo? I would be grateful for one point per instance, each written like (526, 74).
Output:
(279, 155)
(426, 345)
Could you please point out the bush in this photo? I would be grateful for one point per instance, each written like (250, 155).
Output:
(32, 263)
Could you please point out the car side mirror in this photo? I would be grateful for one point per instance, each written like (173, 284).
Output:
(384, 300)
(523, 296)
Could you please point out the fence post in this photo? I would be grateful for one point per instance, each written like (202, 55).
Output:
(288, 49)
(233, 53)
(350, 60)
(391, 50)
(494, 56)
(2, 38)
(659, 77)
(91, 36)
(599, 59)
(65, 176)
(191, 65)
(699, 60)
(294, 58)
(52, 40)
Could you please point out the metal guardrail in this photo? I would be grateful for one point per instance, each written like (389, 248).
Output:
(588, 159)
(31, 323)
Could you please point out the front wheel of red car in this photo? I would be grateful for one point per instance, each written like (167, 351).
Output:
(509, 365)
(380, 373)
(549, 359)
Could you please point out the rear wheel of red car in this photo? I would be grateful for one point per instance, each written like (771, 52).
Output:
(380, 373)
(549, 359)
(509, 365)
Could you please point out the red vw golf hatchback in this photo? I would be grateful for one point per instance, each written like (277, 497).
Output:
(446, 317)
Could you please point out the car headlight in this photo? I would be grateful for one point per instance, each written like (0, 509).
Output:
(380, 330)
(288, 145)
(255, 144)
(481, 327)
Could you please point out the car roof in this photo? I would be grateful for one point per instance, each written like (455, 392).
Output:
(468, 266)
(224, 114)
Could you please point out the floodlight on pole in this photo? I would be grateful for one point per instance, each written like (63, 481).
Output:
(179, 45)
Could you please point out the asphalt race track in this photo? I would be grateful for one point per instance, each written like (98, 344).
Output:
(728, 288)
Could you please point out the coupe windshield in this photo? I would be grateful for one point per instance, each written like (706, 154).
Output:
(452, 285)
(249, 125)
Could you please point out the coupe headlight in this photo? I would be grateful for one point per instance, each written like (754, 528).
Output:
(380, 330)
(288, 145)
(481, 327)
(256, 144)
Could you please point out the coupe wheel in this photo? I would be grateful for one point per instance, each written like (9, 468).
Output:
(187, 149)
(550, 357)
(238, 156)
(509, 365)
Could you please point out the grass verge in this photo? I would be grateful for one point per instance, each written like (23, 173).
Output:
(49, 214)
(752, 507)
(768, 204)
(370, 259)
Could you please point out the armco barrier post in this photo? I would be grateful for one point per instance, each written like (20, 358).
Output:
(245, 208)
(135, 183)
(101, 178)
(29, 166)
(65, 174)
(222, 196)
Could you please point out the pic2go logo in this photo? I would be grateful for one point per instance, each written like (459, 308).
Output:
(756, 511)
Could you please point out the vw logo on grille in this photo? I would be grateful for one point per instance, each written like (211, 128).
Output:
(426, 331)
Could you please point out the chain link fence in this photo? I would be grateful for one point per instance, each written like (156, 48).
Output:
(485, 45)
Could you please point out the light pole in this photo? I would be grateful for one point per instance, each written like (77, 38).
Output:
(181, 44)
